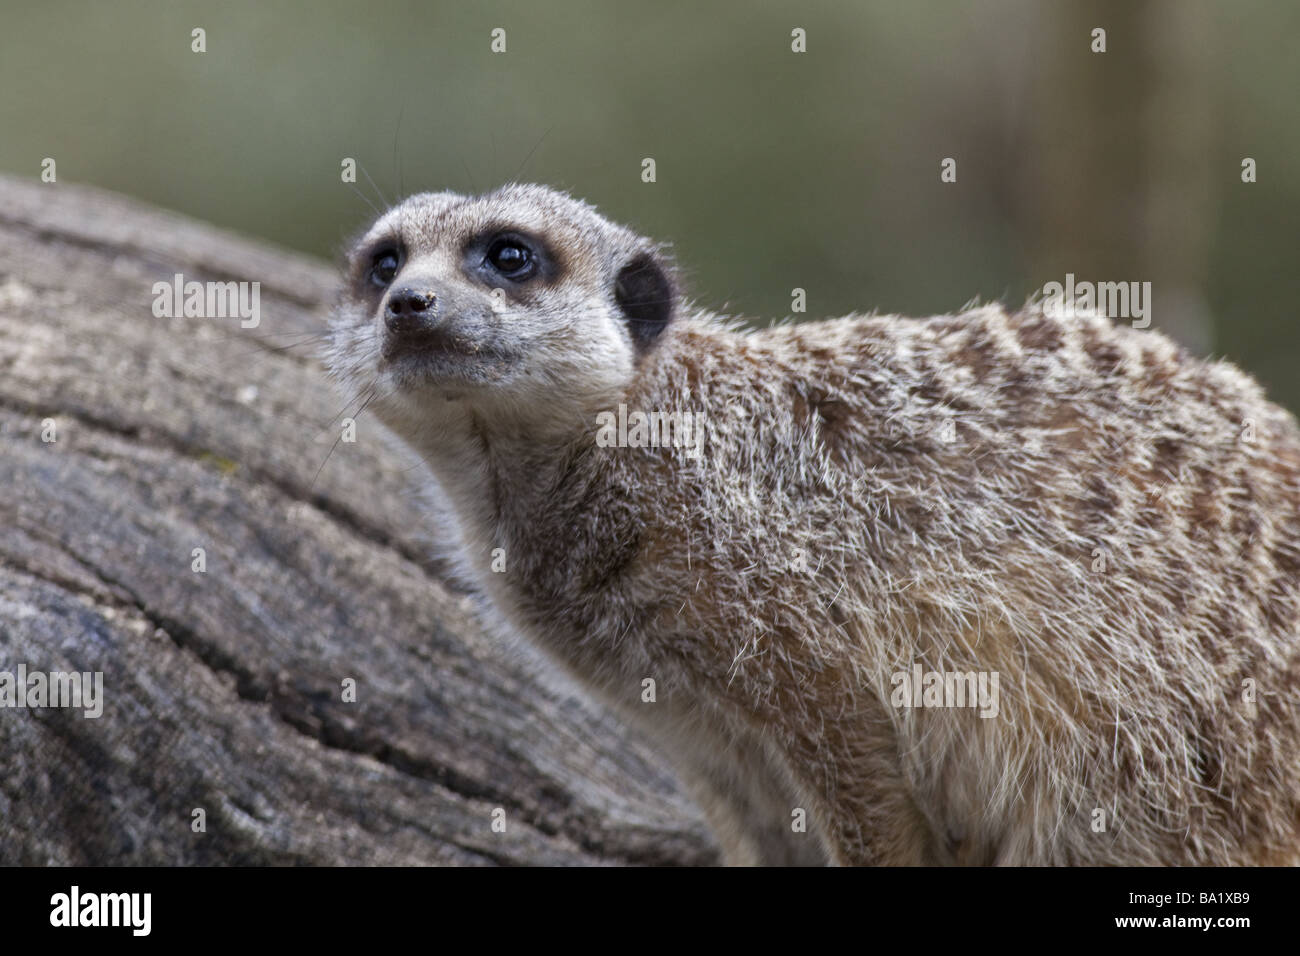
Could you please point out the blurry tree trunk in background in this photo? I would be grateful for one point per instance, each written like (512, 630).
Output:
(1119, 184)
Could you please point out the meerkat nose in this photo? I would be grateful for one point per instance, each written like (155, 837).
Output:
(411, 311)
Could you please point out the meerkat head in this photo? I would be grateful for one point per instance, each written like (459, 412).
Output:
(517, 306)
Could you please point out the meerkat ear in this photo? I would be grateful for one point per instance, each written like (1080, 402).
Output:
(646, 294)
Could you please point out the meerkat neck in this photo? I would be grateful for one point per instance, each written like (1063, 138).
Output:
(502, 478)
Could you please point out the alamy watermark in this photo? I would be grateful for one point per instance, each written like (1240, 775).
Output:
(1115, 300)
(208, 300)
(922, 688)
(130, 910)
(31, 689)
(638, 429)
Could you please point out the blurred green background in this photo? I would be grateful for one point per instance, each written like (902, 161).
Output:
(775, 170)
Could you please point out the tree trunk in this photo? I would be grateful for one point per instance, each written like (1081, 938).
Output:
(223, 689)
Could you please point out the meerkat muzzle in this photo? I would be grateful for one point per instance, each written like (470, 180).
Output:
(411, 312)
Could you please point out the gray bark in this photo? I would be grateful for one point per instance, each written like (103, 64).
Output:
(223, 689)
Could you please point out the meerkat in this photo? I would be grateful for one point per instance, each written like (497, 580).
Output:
(1104, 525)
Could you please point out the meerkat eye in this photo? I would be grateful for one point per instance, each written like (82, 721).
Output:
(384, 266)
(510, 257)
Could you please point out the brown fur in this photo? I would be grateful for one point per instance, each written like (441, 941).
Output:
(951, 485)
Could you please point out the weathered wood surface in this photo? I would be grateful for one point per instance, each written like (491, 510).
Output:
(223, 689)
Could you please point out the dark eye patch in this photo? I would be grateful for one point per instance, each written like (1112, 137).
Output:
(377, 264)
(512, 257)
(504, 257)
(383, 268)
